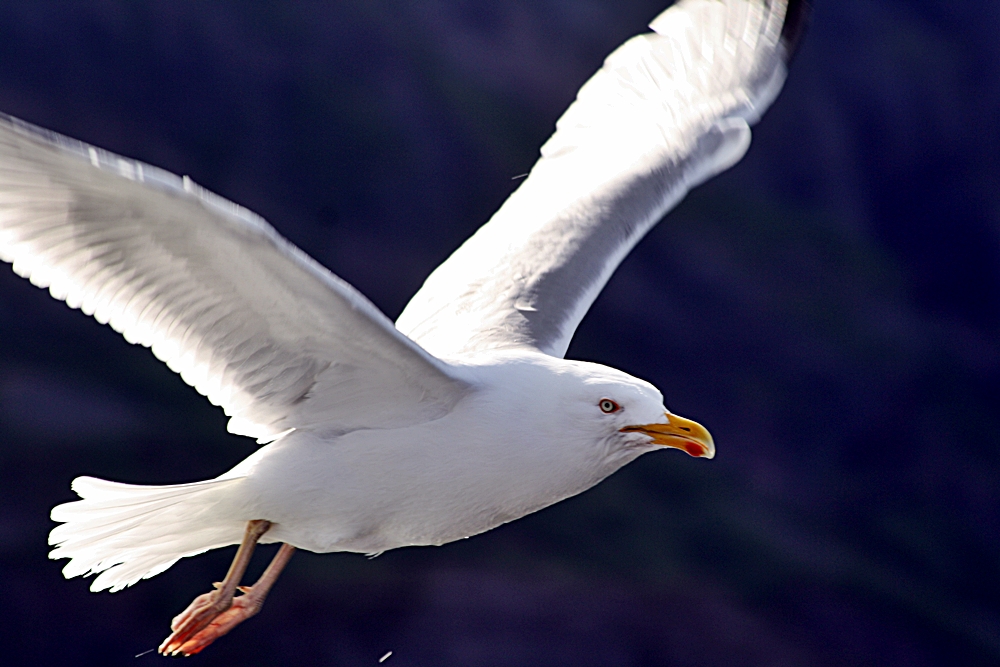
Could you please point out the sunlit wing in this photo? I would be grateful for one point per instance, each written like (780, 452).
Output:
(668, 110)
(243, 315)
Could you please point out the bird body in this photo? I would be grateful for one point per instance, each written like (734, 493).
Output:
(459, 417)
(522, 438)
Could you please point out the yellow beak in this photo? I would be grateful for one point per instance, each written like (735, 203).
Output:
(680, 433)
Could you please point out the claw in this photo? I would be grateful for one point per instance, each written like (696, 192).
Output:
(242, 608)
(199, 614)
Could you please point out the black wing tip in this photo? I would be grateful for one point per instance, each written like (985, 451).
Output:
(797, 16)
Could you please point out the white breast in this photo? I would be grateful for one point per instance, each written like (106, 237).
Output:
(501, 454)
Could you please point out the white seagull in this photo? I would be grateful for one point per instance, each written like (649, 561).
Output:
(462, 416)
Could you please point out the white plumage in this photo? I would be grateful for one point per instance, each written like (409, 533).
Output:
(244, 316)
(461, 416)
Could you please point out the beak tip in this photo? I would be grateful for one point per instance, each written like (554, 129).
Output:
(709, 444)
(701, 450)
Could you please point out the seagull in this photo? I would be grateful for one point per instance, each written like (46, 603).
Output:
(461, 416)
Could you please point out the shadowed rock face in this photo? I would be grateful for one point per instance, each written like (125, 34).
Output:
(829, 309)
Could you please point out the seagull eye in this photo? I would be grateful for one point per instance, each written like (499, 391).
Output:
(608, 406)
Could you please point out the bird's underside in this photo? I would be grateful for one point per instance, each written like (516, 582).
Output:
(286, 347)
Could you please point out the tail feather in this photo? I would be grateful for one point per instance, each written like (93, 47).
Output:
(125, 533)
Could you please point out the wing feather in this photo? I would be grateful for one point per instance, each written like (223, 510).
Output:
(667, 111)
(241, 314)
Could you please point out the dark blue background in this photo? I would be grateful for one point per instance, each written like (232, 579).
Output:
(830, 309)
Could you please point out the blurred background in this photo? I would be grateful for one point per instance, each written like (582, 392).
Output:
(830, 309)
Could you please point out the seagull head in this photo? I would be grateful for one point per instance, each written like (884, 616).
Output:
(629, 412)
(581, 402)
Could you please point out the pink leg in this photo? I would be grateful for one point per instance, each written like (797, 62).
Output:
(214, 614)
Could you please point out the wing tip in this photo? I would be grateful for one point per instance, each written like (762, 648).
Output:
(132, 169)
(797, 16)
(24, 128)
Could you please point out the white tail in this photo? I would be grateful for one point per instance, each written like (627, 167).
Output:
(127, 533)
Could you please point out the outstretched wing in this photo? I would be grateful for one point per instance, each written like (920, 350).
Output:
(668, 110)
(243, 315)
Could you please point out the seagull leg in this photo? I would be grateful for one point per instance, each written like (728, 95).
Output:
(208, 607)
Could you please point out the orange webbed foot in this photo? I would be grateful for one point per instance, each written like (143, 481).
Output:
(194, 641)
(211, 615)
(202, 611)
